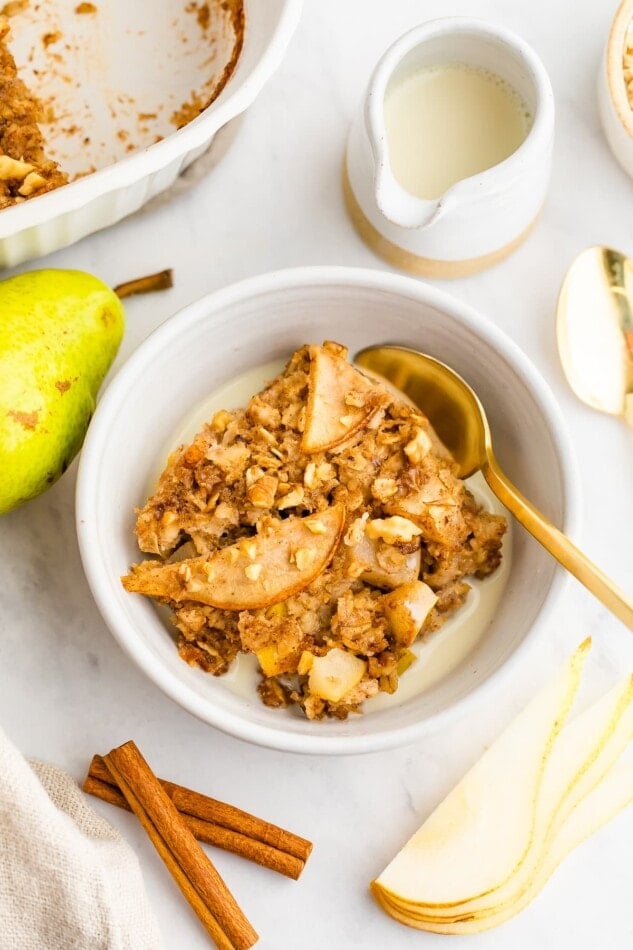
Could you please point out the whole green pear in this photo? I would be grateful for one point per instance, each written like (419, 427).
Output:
(59, 333)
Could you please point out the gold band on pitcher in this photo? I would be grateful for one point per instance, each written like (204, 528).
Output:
(422, 266)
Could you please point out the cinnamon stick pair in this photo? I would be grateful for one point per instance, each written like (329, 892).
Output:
(191, 869)
(217, 823)
(174, 817)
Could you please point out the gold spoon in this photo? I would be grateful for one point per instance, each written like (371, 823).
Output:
(460, 421)
(594, 326)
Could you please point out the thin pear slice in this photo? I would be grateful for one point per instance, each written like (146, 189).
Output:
(442, 863)
(610, 797)
(341, 401)
(586, 750)
(252, 573)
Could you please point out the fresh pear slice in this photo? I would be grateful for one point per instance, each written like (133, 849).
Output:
(611, 796)
(341, 401)
(586, 750)
(606, 800)
(442, 865)
(252, 573)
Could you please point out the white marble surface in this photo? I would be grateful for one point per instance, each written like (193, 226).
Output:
(68, 690)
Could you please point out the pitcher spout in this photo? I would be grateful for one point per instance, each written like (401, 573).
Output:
(400, 206)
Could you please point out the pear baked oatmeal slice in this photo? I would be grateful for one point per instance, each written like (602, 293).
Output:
(322, 528)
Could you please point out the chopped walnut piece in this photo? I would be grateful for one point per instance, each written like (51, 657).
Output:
(394, 530)
(384, 488)
(227, 513)
(221, 421)
(253, 474)
(356, 530)
(293, 498)
(316, 475)
(419, 447)
(261, 493)
(264, 414)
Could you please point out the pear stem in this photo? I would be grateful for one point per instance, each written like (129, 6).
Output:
(163, 280)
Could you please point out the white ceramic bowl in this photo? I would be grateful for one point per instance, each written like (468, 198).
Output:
(263, 319)
(133, 65)
(615, 110)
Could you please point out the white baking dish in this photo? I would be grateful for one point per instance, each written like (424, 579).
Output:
(159, 55)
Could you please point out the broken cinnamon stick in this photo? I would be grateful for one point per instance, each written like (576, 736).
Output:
(217, 813)
(190, 867)
(163, 280)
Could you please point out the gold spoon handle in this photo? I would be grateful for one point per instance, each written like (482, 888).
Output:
(558, 545)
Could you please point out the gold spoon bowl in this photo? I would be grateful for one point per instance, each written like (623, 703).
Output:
(460, 421)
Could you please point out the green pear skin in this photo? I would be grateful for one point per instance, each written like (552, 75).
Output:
(59, 333)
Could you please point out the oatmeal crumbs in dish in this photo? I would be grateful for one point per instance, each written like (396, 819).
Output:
(25, 170)
(322, 528)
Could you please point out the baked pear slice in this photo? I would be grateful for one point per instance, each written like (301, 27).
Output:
(284, 558)
(341, 401)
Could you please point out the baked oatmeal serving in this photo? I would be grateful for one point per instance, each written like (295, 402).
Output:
(322, 528)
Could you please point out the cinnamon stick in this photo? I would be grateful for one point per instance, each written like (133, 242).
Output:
(224, 838)
(190, 867)
(221, 814)
(163, 280)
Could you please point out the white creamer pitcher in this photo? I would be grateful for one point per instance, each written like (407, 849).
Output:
(480, 219)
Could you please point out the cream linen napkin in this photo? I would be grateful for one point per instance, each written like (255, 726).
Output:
(68, 880)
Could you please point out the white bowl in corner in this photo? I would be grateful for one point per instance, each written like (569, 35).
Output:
(125, 51)
(263, 319)
(615, 110)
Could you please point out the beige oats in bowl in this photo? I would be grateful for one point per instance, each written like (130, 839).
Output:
(322, 528)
